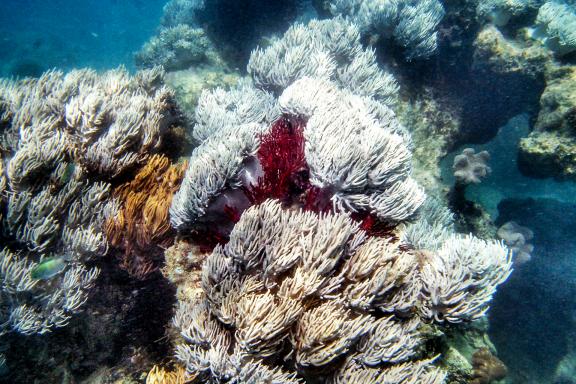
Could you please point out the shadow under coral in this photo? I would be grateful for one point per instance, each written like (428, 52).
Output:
(120, 332)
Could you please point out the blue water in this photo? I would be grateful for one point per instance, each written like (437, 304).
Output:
(39, 35)
(505, 181)
(533, 315)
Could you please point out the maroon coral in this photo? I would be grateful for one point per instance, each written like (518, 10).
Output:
(282, 160)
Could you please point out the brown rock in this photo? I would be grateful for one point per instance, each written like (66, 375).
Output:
(487, 367)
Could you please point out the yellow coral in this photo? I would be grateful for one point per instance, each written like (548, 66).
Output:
(141, 228)
(159, 375)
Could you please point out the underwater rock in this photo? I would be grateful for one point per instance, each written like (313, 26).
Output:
(550, 150)
(434, 128)
(487, 367)
(508, 79)
(459, 346)
(501, 12)
(188, 84)
(183, 263)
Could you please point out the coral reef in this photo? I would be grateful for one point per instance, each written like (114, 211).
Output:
(181, 12)
(320, 287)
(140, 228)
(315, 283)
(556, 27)
(189, 84)
(412, 24)
(65, 139)
(299, 241)
(229, 28)
(328, 49)
(516, 238)
(231, 125)
(176, 48)
(500, 12)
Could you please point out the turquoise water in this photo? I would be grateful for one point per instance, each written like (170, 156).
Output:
(138, 184)
(36, 36)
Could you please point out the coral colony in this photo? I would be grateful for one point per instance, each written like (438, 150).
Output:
(313, 254)
(68, 138)
(295, 289)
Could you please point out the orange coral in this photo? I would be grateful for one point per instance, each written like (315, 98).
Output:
(141, 228)
(159, 375)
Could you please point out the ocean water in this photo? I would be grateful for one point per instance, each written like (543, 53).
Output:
(251, 191)
(37, 36)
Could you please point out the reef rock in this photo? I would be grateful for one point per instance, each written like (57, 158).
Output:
(487, 367)
(551, 149)
(508, 78)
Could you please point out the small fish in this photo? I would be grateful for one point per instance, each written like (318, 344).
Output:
(94, 35)
(49, 268)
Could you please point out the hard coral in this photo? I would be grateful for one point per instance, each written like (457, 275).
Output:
(141, 227)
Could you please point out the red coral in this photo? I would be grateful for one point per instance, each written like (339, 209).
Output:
(317, 199)
(208, 238)
(374, 226)
(282, 173)
(281, 157)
